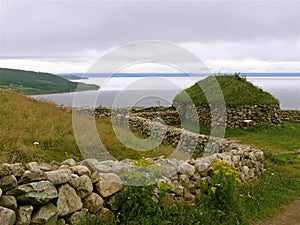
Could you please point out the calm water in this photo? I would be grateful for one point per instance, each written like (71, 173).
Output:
(149, 91)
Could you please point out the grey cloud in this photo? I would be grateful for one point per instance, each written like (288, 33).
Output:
(59, 29)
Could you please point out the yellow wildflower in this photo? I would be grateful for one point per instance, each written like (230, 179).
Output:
(228, 173)
(213, 189)
(249, 196)
(216, 171)
(238, 180)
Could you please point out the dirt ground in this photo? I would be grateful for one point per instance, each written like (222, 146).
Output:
(286, 215)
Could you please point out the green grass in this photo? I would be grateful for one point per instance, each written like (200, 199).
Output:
(29, 82)
(274, 139)
(236, 91)
(24, 120)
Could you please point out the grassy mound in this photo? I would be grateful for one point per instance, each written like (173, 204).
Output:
(236, 91)
(29, 82)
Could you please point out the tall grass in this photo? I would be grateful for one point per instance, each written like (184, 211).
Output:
(32, 130)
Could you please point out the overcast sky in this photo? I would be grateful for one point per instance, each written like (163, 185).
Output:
(69, 36)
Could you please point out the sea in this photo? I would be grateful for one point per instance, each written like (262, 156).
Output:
(159, 89)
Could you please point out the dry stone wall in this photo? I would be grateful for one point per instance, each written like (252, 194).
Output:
(234, 116)
(293, 115)
(181, 139)
(63, 193)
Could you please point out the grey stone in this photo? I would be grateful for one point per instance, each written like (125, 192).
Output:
(7, 216)
(69, 162)
(107, 187)
(68, 201)
(35, 193)
(95, 177)
(9, 201)
(8, 182)
(81, 170)
(93, 202)
(184, 180)
(89, 163)
(83, 185)
(11, 169)
(45, 167)
(120, 168)
(110, 176)
(46, 215)
(259, 155)
(29, 176)
(186, 168)
(59, 176)
(55, 165)
(79, 217)
(24, 215)
(100, 168)
(33, 166)
(61, 221)
(169, 171)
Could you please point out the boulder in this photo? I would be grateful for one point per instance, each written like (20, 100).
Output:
(45, 167)
(93, 202)
(8, 182)
(69, 162)
(68, 201)
(186, 168)
(11, 169)
(46, 215)
(83, 185)
(29, 176)
(108, 187)
(7, 216)
(33, 166)
(79, 217)
(24, 215)
(9, 201)
(35, 193)
(59, 176)
(81, 170)
(61, 221)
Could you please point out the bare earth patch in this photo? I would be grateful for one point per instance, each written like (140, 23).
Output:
(286, 215)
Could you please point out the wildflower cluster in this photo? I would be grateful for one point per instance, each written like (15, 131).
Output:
(223, 190)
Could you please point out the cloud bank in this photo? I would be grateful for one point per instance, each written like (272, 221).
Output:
(68, 36)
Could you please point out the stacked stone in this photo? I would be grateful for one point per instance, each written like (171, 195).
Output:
(58, 193)
(181, 139)
(293, 115)
(64, 193)
(234, 115)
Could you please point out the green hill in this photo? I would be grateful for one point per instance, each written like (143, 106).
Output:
(236, 91)
(29, 82)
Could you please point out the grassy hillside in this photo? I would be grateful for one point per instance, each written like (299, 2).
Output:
(29, 82)
(24, 121)
(236, 91)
